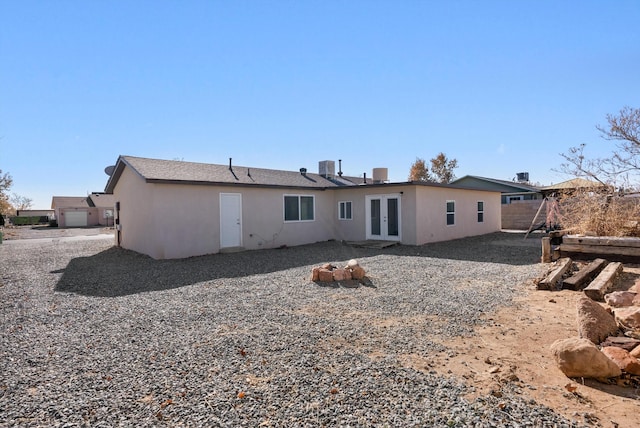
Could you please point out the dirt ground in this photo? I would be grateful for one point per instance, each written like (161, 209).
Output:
(513, 348)
(516, 348)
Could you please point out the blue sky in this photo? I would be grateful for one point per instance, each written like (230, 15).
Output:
(502, 86)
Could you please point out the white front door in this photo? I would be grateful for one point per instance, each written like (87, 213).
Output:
(383, 217)
(230, 220)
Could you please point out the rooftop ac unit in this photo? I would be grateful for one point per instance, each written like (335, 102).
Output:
(380, 175)
(327, 168)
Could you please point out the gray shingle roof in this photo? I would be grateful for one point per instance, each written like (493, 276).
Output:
(575, 183)
(511, 184)
(69, 202)
(171, 171)
(102, 200)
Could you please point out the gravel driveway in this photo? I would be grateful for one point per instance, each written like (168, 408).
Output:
(93, 335)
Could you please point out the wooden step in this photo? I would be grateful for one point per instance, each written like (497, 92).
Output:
(554, 278)
(603, 283)
(579, 279)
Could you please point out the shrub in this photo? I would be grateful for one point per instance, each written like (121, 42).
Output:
(599, 214)
(23, 221)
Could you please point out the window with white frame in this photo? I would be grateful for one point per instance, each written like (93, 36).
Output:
(299, 208)
(344, 210)
(451, 213)
(480, 211)
(514, 198)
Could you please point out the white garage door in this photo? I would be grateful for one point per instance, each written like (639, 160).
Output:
(75, 218)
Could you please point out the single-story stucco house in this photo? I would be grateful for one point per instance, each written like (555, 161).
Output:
(83, 211)
(175, 209)
(511, 190)
(572, 185)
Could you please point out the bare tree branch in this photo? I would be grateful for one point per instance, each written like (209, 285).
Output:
(622, 168)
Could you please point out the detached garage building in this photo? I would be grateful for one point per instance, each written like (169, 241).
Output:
(83, 211)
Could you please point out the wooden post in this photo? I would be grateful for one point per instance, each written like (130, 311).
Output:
(546, 250)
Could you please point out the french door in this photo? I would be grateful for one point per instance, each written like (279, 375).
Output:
(383, 217)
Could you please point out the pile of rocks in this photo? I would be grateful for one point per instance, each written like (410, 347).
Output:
(608, 345)
(330, 273)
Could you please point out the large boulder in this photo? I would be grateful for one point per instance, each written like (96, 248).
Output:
(578, 357)
(620, 299)
(626, 362)
(628, 317)
(635, 352)
(594, 322)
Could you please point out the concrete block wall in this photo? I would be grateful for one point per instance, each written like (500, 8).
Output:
(519, 214)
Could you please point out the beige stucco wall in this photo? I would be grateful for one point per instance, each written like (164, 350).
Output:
(102, 221)
(169, 221)
(356, 229)
(431, 220)
(264, 225)
(423, 212)
(136, 213)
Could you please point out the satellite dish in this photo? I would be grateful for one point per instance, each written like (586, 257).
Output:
(109, 170)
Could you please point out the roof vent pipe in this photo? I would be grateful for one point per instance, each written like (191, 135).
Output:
(303, 171)
(230, 169)
(339, 167)
(365, 178)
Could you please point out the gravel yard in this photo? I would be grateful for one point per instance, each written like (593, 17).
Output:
(93, 335)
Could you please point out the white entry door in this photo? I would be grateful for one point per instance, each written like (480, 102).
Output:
(230, 220)
(383, 217)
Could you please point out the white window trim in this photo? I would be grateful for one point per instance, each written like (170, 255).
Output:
(299, 208)
(345, 202)
(446, 219)
(480, 211)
